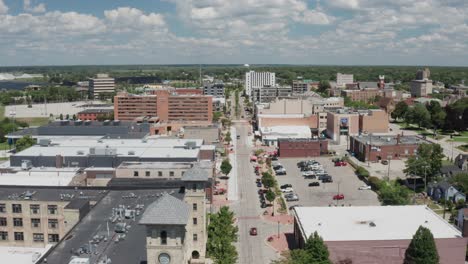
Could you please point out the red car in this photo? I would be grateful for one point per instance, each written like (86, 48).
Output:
(253, 231)
(340, 163)
(338, 197)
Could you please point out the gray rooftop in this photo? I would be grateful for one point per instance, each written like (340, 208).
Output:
(387, 140)
(47, 194)
(196, 173)
(167, 210)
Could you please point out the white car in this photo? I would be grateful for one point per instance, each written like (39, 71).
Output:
(308, 173)
(365, 187)
(287, 190)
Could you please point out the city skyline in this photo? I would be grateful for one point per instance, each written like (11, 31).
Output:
(335, 32)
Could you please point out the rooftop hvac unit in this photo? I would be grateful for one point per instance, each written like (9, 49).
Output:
(131, 152)
(44, 142)
(79, 152)
(106, 122)
(78, 122)
(116, 122)
(87, 122)
(26, 164)
(190, 145)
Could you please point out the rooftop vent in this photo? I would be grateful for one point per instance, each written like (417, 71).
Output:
(372, 224)
(79, 152)
(131, 152)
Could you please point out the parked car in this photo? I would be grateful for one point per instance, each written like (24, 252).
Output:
(327, 179)
(238, 136)
(274, 158)
(314, 184)
(338, 196)
(321, 176)
(365, 187)
(258, 180)
(287, 190)
(284, 186)
(278, 167)
(340, 163)
(308, 174)
(385, 162)
(292, 198)
(259, 184)
(253, 231)
(263, 205)
(280, 172)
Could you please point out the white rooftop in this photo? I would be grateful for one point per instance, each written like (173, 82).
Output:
(39, 177)
(353, 223)
(22, 255)
(275, 132)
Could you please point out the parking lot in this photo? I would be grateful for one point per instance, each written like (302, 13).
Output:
(343, 178)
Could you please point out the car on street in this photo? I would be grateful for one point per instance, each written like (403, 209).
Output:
(278, 167)
(259, 184)
(292, 198)
(338, 196)
(314, 184)
(238, 136)
(253, 231)
(287, 190)
(284, 186)
(365, 187)
(308, 174)
(327, 179)
(263, 205)
(385, 162)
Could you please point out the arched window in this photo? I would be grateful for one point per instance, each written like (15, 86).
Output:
(195, 255)
(163, 238)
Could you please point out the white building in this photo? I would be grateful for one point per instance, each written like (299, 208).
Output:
(258, 80)
(101, 84)
(343, 79)
(271, 134)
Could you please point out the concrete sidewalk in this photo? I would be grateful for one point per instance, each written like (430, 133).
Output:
(233, 193)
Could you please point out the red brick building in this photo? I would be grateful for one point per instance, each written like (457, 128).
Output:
(92, 114)
(303, 147)
(375, 148)
(168, 105)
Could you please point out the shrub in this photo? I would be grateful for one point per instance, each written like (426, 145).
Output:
(362, 172)
(374, 182)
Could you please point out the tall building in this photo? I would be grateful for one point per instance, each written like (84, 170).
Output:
(343, 79)
(102, 84)
(302, 86)
(258, 80)
(268, 94)
(176, 229)
(214, 89)
(167, 105)
(422, 85)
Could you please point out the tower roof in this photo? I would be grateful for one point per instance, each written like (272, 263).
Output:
(167, 210)
(195, 173)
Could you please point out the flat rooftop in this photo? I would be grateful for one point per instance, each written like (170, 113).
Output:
(42, 176)
(355, 222)
(23, 255)
(130, 249)
(155, 165)
(387, 140)
(48, 194)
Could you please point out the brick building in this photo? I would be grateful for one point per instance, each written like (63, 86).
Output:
(302, 147)
(373, 121)
(365, 95)
(93, 114)
(383, 147)
(167, 105)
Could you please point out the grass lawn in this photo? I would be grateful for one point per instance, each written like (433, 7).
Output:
(461, 139)
(446, 162)
(463, 147)
(35, 121)
(2, 112)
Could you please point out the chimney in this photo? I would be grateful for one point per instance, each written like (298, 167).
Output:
(398, 139)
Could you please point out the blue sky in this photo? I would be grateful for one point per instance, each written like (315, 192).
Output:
(348, 32)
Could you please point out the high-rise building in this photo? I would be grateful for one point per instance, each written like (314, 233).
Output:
(215, 89)
(343, 79)
(167, 105)
(258, 80)
(102, 84)
(301, 86)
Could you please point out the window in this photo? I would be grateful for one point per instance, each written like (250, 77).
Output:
(17, 221)
(195, 206)
(53, 238)
(52, 209)
(195, 221)
(16, 208)
(159, 173)
(135, 173)
(2, 208)
(35, 208)
(35, 222)
(3, 221)
(38, 237)
(171, 174)
(147, 173)
(195, 237)
(19, 236)
(163, 238)
(194, 187)
(53, 223)
(3, 235)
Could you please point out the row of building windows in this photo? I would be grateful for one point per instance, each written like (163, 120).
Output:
(160, 173)
(34, 209)
(35, 222)
(163, 237)
(37, 237)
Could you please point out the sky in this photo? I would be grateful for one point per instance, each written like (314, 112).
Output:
(338, 32)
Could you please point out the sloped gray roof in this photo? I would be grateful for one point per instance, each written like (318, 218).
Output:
(195, 174)
(167, 210)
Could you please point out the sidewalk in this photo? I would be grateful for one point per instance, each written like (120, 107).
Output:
(233, 193)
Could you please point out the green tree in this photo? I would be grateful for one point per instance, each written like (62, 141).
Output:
(427, 161)
(323, 86)
(314, 252)
(74, 117)
(401, 108)
(226, 167)
(422, 249)
(420, 115)
(67, 117)
(270, 196)
(24, 143)
(216, 116)
(393, 193)
(437, 113)
(228, 138)
(461, 181)
(221, 234)
(267, 180)
(61, 117)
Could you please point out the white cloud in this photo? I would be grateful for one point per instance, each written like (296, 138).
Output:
(315, 17)
(40, 8)
(126, 19)
(345, 4)
(3, 7)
